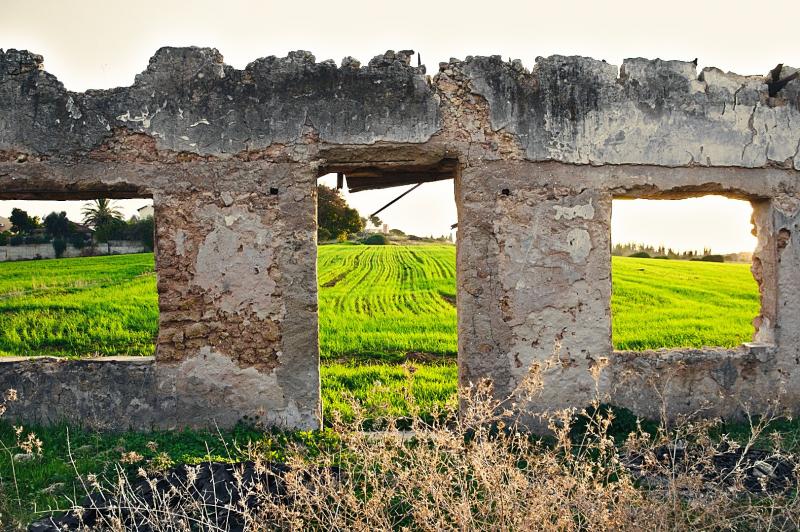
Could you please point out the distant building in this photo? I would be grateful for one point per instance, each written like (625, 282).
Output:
(5, 224)
(377, 230)
(82, 229)
(146, 212)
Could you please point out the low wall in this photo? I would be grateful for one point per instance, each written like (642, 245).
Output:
(46, 251)
(711, 382)
(145, 394)
(140, 393)
(96, 392)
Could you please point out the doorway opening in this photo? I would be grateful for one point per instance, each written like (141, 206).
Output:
(387, 298)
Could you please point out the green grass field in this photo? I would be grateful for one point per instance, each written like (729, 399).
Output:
(384, 301)
(77, 307)
(379, 305)
(669, 303)
(376, 302)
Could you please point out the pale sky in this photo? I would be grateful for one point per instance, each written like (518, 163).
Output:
(105, 43)
(685, 225)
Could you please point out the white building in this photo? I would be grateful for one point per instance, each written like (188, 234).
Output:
(5, 224)
(146, 212)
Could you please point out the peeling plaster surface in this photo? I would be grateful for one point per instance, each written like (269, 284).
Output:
(580, 110)
(243, 392)
(233, 262)
(231, 157)
(578, 211)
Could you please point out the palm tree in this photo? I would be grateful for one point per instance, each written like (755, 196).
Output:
(100, 212)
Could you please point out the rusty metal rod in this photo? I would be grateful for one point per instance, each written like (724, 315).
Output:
(394, 200)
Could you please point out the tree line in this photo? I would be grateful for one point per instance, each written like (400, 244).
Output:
(102, 222)
(640, 250)
(336, 219)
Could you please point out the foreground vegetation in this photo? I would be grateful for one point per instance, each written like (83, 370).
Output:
(600, 470)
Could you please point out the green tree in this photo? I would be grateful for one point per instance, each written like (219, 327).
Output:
(59, 246)
(100, 212)
(21, 223)
(142, 230)
(111, 229)
(334, 215)
(57, 225)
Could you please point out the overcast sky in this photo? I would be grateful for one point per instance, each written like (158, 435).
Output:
(102, 44)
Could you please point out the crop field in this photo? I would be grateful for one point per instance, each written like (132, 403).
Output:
(671, 303)
(79, 307)
(384, 301)
(380, 306)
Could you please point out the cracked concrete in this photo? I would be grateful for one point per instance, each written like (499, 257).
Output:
(230, 158)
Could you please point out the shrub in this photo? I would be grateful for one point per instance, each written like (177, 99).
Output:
(375, 240)
(4, 237)
(713, 258)
(323, 234)
(78, 241)
(16, 240)
(36, 239)
(342, 237)
(396, 232)
(640, 255)
(59, 246)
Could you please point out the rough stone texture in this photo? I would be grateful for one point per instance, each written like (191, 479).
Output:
(107, 393)
(584, 111)
(230, 159)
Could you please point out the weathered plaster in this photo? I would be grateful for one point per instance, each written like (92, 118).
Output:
(230, 158)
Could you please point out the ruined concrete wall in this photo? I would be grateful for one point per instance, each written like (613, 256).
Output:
(534, 270)
(230, 159)
(583, 111)
(541, 298)
(188, 100)
(237, 298)
(108, 393)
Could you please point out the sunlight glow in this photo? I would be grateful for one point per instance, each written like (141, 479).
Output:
(715, 222)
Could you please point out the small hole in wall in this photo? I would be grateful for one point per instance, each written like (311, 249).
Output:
(784, 235)
(98, 299)
(681, 273)
(506, 192)
(273, 191)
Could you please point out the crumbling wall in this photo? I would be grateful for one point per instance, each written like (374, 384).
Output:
(230, 158)
(541, 299)
(236, 300)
